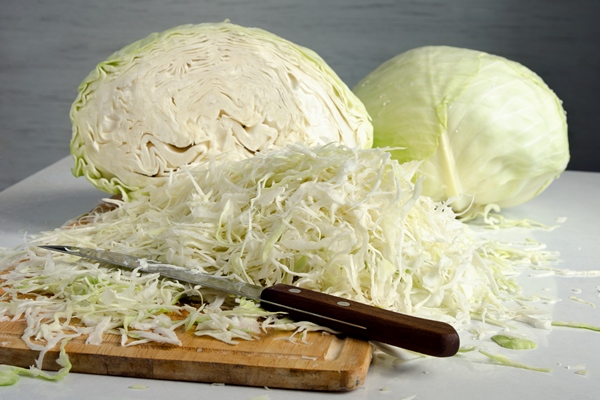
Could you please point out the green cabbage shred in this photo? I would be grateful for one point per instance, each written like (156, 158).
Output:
(503, 360)
(9, 375)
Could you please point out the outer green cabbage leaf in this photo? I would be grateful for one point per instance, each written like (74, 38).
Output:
(488, 130)
(199, 91)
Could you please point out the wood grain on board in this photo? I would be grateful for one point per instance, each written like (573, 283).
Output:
(321, 362)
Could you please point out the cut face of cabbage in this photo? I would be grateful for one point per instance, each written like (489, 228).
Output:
(194, 92)
(488, 130)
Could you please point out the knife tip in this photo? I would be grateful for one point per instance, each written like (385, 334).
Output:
(62, 249)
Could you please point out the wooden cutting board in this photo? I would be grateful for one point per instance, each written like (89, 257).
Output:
(324, 363)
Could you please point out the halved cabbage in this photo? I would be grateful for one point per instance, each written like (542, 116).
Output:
(199, 91)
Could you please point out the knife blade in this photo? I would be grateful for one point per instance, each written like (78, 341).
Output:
(430, 337)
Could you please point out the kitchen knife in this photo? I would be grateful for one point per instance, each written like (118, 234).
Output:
(349, 317)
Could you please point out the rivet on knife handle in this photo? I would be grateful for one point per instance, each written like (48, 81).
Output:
(424, 336)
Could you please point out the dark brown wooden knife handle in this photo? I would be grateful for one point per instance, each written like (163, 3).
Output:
(363, 321)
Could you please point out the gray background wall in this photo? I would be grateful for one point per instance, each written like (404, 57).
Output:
(48, 47)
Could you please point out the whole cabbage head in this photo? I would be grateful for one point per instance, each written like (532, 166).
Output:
(193, 92)
(487, 130)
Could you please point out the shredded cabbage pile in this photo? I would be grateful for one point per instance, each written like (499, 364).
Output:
(345, 221)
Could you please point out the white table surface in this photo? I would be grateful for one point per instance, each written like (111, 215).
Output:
(52, 196)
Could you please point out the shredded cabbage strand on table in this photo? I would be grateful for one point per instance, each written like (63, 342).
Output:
(340, 220)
